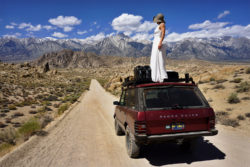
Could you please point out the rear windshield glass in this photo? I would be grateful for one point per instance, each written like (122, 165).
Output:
(177, 96)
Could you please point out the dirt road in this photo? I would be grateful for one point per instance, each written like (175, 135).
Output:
(85, 137)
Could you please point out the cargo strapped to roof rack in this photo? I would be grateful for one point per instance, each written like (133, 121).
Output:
(134, 82)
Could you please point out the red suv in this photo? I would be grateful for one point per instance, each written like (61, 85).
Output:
(159, 112)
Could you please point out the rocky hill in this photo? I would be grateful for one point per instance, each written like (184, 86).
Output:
(80, 59)
(225, 48)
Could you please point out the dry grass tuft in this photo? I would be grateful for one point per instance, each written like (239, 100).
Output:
(243, 87)
(233, 98)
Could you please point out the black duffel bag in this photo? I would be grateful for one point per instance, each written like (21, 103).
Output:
(142, 74)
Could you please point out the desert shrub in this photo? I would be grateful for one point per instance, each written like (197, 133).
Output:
(4, 147)
(9, 135)
(248, 70)
(27, 102)
(44, 109)
(16, 124)
(2, 114)
(2, 125)
(8, 120)
(219, 86)
(221, 115)
(71, 98)
(17, 114)
(247, 114)
(39, 96)
(59, 94)
(56, 105)
(32, 106)
(236, 80)
(45, 121)
(205, 89)
(229, 109)
(233, 98)
(240, 117)
(12, 107)
(46, 103)
(5, 110)
(28, 128)
(78, 80)
(245, 98)
(51, 98)
(199, 82)
(221, 80)
(19, 104)
(212, 79)
(32, 112)
(243, 87)
(62, 108)
(230, 122)
(70, 89)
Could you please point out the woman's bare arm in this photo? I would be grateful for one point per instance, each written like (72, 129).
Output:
(162, 28)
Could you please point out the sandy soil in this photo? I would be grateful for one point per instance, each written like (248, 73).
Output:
(86, 137)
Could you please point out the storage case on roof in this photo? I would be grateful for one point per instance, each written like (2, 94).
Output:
(142, 74)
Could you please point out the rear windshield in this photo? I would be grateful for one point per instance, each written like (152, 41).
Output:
(173, 97)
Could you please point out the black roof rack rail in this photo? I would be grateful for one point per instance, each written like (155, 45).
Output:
(133, 82)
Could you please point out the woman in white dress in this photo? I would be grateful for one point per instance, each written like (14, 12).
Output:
(158, 54)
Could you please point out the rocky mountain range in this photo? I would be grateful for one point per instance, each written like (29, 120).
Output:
(215, 49)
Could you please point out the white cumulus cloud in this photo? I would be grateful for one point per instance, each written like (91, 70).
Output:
(234, 30)
(30, 27)
(146, 26)
(34, 28)
(141, 37)
(226, 12)
(130, 24)
(24, 25)
(67, 29)
(59, 35)
(82, 32)
(12, 35)
(48, 27)
(208, 25)
(94, 38)
(65, 22)
(9, 27)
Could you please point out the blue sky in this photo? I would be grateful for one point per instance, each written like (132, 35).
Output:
(92, 19)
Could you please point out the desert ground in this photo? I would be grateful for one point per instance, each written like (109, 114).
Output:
(86, 137)
(32, 98)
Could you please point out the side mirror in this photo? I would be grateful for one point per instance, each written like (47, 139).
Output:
(116, 103)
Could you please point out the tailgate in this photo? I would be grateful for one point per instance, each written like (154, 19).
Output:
(177, 120)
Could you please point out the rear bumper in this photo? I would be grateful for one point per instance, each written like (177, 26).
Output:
(165, 137)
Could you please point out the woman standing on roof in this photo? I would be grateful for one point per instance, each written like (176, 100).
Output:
(157, 63)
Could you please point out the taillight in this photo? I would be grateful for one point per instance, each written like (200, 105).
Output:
(140, 127)
(211, 122)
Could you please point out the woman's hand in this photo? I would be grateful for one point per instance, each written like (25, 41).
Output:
(160, 45)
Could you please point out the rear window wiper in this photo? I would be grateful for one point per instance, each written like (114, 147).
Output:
(177, 106)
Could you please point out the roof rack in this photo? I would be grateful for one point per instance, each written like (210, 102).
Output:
(134, 82)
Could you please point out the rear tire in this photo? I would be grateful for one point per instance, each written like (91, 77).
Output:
(133, 148)
(118, 129)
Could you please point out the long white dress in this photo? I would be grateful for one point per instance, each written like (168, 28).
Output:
(157, 63)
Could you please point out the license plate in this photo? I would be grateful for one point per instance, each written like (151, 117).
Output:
(178, 126)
